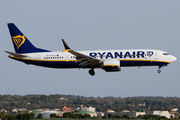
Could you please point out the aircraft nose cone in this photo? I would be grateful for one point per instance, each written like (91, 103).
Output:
(173, 58)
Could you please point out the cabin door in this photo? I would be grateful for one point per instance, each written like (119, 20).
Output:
(156, 56)
(67, 57)
(38, 59)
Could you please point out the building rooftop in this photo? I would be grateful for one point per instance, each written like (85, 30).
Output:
(110, 111)
(125, 111)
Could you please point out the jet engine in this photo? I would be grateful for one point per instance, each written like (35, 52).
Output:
(111, 65)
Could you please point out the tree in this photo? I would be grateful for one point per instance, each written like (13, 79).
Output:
(161, 109)
(155, 116)
(94, 117)
(3, 115)
(3, 112)
(24, 116)
(75, 116)
(31, 115)
(104, 117)
(145, 117)
(53, 115)
(110, 115)
(43, 97)
(117, 116)
(40, 116)
(93, 102)
(87, 116)
(19, 116)
(80, 116)
(140, 116)
(11, 117)
(67, 115)
(132, 118)
(126, 116)
(163, 117)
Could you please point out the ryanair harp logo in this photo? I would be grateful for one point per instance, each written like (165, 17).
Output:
(19, 40)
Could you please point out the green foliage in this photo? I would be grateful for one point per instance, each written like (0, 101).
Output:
(3, 113)
(67, 115)
(110, 116)
(87, 116)
(125, 116)
(4, 117)
(140, 116)
(31, 115)
(11, 117)
(53, 115)
(75, 116)
(40, 116)
(163, 117)
(117, 116)
(19, 117)
(154, 117)
(24, 116)
(8, 102)
(104, 117)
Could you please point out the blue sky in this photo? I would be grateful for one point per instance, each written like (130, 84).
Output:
(91, 25)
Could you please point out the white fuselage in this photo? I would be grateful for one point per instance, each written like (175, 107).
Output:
(136, 57)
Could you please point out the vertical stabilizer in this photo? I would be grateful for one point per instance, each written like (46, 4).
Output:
(20, 41)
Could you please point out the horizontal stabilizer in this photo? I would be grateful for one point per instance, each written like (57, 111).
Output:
(15, 54)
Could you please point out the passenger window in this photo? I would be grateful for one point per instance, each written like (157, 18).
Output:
(165, 53)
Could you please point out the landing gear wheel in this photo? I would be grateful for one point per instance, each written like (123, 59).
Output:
(159, 71)
(91, 72)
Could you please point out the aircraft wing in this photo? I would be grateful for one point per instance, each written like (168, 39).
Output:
(82, 58)
(15, 54)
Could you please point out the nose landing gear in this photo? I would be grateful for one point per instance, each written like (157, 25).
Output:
(91, 72)
(159, 71)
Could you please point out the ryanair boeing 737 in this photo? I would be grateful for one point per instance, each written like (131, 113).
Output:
(108, 60)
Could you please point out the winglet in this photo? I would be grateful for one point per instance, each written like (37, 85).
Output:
(66, 46)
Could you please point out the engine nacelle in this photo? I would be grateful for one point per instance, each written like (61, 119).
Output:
(111, 65)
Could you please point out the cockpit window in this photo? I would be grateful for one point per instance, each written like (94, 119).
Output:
(165, 53)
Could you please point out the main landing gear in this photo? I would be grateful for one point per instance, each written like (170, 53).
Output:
(91, 72)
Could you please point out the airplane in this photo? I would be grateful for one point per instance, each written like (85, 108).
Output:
(108, 60)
